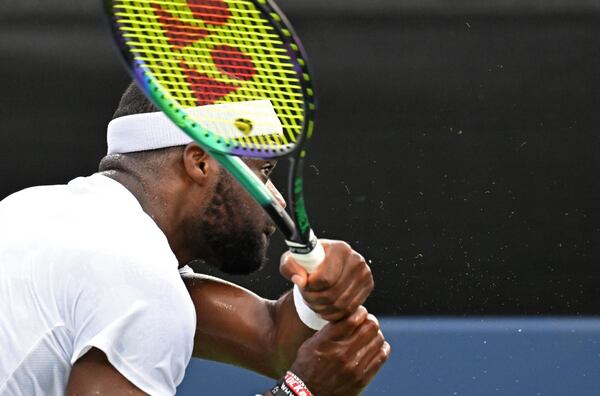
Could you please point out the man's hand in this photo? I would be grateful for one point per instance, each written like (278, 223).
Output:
(338, 287)
(343, 357)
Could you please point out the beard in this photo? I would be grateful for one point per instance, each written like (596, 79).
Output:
(238, 243)
(238, 254)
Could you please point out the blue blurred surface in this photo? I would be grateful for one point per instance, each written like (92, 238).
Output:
(447, 356)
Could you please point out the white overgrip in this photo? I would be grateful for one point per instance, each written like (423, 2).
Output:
(310, 262)
(309, 317)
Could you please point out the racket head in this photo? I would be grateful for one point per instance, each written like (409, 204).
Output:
(239, 58)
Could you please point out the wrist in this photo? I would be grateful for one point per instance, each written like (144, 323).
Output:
(290, 385)
(309, 317)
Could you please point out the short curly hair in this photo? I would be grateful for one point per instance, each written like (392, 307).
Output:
(134, 101)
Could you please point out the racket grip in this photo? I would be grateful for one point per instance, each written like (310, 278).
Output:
(311, 259)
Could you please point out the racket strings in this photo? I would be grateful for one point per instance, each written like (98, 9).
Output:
(205, 52)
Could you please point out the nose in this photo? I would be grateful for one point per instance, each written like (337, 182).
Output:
(278, 197)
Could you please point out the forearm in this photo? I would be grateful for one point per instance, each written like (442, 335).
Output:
(290, 332)
(238, 327)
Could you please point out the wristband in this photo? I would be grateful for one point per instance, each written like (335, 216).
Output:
(291, 385)
(307, 315)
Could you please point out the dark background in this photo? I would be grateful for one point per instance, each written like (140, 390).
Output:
(457, 144)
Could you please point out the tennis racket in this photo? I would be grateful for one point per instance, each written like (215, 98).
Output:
(241, 60)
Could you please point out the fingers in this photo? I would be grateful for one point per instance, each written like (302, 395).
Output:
(293, 271)
(378, 360)
(368, 330)
(368, 351)
(365, 352)
(343, 357)
(330, 271)
(340, 284)
(345, 297)
(340, 330)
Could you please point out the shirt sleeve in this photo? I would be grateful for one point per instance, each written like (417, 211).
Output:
(138, 312)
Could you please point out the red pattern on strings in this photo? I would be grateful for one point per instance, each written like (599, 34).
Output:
(234, 62)
(230, 61)
(180, 33)
(214, 12)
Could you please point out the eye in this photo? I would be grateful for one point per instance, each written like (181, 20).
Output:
(262, 168)
(267, 169)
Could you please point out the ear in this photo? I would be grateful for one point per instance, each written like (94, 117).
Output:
(199, 166)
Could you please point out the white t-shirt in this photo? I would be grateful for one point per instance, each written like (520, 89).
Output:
(82, 266)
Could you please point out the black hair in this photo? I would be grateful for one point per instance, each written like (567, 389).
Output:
(134, 101)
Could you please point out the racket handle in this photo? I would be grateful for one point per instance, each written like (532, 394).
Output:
(309, 260)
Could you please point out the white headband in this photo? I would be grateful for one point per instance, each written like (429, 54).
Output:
(150, 131)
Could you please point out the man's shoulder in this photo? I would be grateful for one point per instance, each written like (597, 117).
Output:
(89, 217)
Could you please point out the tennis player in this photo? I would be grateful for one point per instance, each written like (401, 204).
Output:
(95, 284)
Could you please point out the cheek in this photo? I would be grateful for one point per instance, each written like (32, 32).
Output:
(241, 212)
(253, 214)
(244, 203)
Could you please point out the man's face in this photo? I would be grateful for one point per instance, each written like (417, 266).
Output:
(236, 228)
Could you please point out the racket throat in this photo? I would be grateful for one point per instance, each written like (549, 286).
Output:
(302, 247)
(282, 220)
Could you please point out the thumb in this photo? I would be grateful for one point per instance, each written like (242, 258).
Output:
(293, 271)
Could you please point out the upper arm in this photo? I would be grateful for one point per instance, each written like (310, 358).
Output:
(93, 374)
(236, 326)
(231, 321)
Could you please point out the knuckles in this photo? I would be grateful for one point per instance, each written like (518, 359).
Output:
(344, 288)
(339, 247)
(356, 354)
(370, 327)
(351, 350)
(385, 352)
(357, 317)
(363, 272)
(340, 306)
